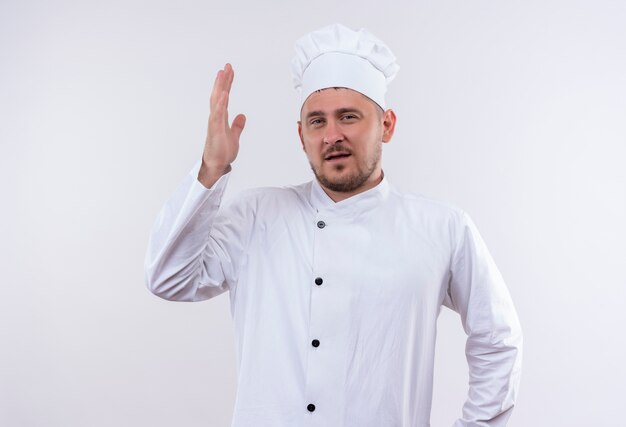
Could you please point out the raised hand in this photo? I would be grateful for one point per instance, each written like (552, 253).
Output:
(222, 141)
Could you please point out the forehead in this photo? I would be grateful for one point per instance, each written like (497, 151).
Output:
(330, 99)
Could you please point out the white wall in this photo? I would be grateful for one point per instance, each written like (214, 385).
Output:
(515, 111)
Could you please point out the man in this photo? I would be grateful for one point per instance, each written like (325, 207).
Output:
(335, 285)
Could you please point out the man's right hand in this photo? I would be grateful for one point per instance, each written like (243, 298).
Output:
(222, 141)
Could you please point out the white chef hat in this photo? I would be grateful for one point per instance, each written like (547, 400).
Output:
(336, 56)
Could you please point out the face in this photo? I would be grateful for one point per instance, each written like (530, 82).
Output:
(342, 133)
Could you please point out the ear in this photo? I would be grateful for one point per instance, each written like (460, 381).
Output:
(300, 134)
(389, 125)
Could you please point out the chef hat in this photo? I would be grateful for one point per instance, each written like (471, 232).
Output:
(336, 56)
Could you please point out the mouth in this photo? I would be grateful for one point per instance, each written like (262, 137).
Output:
(337, 156)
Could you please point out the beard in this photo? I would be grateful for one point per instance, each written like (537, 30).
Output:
(352, 182)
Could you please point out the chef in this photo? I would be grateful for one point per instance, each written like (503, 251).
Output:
(335, 285)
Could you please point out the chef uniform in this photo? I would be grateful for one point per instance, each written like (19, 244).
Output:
(335, 304)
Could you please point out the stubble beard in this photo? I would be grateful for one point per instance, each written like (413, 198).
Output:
(351, 182)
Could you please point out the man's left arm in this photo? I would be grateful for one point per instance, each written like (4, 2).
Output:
(494, 343)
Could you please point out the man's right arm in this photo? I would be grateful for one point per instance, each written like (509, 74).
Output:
(188, 260)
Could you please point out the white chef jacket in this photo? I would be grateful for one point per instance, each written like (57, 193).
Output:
(335, 305)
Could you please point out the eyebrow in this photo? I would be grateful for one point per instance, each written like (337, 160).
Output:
(338, 112)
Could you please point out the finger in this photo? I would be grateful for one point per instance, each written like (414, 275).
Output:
(227, 81)
(238, 124)
(224, 100)
(217, 88)
(230, 76)
(219, 115)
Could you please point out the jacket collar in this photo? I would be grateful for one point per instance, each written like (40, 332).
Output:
(358, 203)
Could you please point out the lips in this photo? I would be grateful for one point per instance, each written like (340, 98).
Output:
(336, 155)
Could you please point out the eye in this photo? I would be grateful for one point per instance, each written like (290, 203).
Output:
(349, 117)
(316, 121)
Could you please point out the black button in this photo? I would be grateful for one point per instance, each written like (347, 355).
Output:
(310, 407)
(321, 224)
(315, 343)
(319, 281)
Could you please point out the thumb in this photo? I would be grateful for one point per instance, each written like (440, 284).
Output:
(238, 124)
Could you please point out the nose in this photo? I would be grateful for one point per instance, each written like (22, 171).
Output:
(332, 133)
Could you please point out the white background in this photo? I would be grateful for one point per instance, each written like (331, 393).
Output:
(512, 110)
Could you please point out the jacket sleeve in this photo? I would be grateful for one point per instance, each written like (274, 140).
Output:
(194, 244)
(494, 337)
